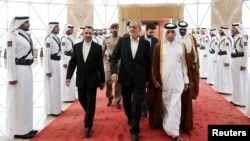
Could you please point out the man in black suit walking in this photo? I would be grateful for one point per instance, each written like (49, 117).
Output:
(87, 57)
(134, 54)
(149, 36)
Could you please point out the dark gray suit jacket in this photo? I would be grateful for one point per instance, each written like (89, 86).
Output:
(90, 72)
(153, 43)
(132, 71)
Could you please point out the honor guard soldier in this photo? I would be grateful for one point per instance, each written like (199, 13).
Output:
(107, 48)
(239, 66)
(19, 76)
(79, 36)
(67, 93)
(52, 85)
(204, 53)
(212, 55)
(223, 74)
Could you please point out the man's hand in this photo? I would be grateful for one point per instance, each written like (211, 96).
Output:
(157, 85)
(65, 66)
(185, 87)
(67, 82)
(242, 68)
(13, 82)
(114, 77)
(102, 85)
(49, 74)
(194, 65)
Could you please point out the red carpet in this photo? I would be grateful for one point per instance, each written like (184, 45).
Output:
(110, 123)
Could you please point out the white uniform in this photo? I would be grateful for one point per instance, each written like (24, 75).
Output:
(239, 77)
(223, 74)
(52, 89)
(204, 50)
(68, 93)
(248, 98)
(212, 60)
(174, 75)
(19, 110)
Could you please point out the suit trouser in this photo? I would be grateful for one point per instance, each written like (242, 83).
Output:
(144, 103)
(87, 98)
(132, 99)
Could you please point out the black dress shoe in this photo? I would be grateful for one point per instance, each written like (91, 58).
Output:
(231, 102)
(109, 102)
(237, 104)
(87, 133)
(34, 131)
(118, 105)
(55, 115)
(134, 137)
(68, 101)
(26, 136)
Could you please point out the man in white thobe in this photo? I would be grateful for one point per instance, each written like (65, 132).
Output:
(67, 92)
(204, 53)
(79, 36)
(174, 78)
(212, 63)
(223, 74)
(239, 66)
(52, 80)
(19, 109)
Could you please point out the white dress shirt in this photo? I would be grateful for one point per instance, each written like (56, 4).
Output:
(85, 49)
(148, 39)
(134, 45)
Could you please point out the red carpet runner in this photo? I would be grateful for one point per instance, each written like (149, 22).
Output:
(110, 123)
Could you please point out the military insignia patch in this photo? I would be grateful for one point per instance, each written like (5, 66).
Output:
(48, 45)
(63, 43)
(9, 43)
(245, 43)
(227, 44)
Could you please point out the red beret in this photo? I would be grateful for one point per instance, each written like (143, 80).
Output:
(114, 25)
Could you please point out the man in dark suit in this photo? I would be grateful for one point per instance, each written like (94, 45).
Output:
(134, 54)
(149, 36)
(87, 57)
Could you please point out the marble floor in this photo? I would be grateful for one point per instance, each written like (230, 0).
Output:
(40, 119)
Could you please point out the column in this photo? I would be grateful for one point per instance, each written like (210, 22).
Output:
(80, 13)
(225, 12)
